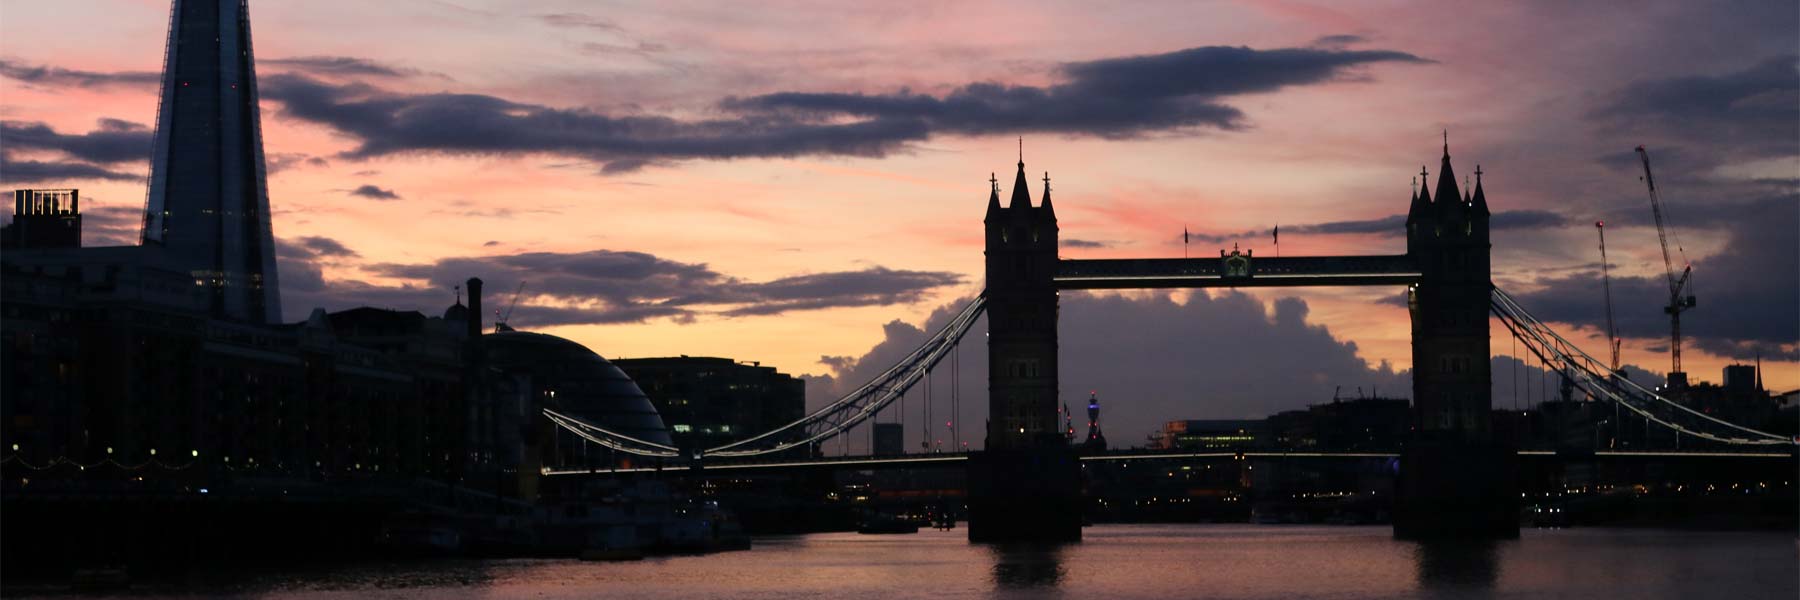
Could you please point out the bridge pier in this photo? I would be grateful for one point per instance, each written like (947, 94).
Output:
(1456, 490)
(1026, 495)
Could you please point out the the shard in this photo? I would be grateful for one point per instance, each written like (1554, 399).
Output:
(208, 206)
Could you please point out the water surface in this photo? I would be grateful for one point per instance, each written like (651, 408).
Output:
(1114, 562)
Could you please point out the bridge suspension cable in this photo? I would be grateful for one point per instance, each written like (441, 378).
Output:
(610, 439)
(1591, 375)
(1599, 380)
(861, 404)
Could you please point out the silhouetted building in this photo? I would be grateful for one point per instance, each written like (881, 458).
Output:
(707, 402)
(1361, 423)
(43, 219)
(1740, 399)
(115, 360)
(890, 439)
(208, 205)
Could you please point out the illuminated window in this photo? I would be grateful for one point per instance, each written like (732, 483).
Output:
(683, 428)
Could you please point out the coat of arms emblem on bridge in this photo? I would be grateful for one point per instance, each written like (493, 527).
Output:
(1235, 264)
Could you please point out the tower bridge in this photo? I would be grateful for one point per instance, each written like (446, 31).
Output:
(1455, 479)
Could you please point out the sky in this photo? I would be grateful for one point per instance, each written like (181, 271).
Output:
(802, 184)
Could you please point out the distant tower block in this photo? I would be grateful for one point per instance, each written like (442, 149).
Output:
(1096, 441)
(208, 206)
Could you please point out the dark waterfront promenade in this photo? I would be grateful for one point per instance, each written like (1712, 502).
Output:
(1113, 561)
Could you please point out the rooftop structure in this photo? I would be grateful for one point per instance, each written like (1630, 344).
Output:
(44, 219)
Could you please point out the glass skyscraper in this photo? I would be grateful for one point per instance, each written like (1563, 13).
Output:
(208, 205)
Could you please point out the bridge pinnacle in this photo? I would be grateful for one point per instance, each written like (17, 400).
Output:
(1021, 195)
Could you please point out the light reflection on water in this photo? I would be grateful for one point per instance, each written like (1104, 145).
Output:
(1115, 561)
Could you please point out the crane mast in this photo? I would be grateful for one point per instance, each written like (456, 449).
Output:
(500, 319)
(1677, 303)
(1612, 333)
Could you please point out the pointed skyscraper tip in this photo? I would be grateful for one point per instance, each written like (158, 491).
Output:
(1021, 194)
(208, 202)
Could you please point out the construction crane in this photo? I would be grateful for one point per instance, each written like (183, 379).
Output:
(1677, 303)
(1612, 333)
(500, 319)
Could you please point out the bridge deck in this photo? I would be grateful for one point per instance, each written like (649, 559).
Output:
(956, 459)
(1142, 273)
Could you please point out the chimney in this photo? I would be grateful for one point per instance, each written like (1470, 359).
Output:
(474, 286)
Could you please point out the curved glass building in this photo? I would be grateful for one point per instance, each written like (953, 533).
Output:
(575, 381)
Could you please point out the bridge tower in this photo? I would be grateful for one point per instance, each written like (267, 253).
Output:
(1455, 480)
(1021, 304)
(1026, 484)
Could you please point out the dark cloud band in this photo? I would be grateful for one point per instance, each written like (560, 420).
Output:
(1120, 97)
(599, 287)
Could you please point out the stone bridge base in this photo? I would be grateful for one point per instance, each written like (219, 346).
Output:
(1457, 490)
(1031, 495)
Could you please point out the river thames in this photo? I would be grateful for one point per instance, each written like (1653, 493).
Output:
(1114, 561)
